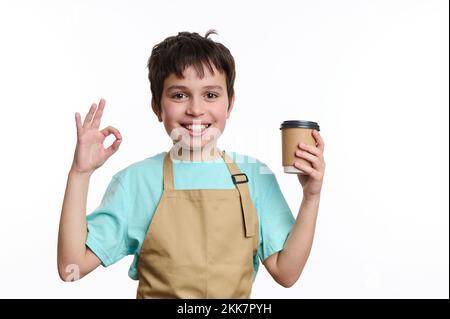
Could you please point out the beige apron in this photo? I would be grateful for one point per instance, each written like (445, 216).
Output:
(201, 242)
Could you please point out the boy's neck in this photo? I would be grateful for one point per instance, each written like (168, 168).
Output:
(205, 154)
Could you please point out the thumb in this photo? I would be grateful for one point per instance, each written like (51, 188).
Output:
(113, 148)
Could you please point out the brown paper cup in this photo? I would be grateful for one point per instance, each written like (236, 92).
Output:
(292, 134)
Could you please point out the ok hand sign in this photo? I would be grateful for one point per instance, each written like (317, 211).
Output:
(90, 153)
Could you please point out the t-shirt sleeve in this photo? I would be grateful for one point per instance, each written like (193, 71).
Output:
(107, 225)
(276, 219)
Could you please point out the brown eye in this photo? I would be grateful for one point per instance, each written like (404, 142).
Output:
(178, 95)
(212, 95)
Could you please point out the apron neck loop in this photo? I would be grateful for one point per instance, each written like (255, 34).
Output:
(168, 182)
(242, 188)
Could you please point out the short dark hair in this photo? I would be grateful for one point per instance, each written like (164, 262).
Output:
(186, 49)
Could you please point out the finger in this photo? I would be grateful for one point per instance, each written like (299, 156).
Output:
(111, 130)
(314, 160)
(113, 148)
(115, 145)
(318, 138)
(310, 148)
(78, 121)
(87, 120)
(98, 114)
(307, 169)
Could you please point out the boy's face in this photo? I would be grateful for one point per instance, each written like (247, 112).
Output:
(202, 103)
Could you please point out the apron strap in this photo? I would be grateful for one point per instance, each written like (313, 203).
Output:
(240, 180)
(168, 173)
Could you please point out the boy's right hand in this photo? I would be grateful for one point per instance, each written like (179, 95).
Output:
(90, 153)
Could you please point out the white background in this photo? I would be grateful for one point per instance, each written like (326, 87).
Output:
(373, 74)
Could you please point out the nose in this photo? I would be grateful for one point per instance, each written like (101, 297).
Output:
(196, 107)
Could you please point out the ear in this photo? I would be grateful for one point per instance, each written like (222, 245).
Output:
(230, 107)
(156, 110)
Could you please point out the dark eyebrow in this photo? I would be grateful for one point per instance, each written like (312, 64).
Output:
(182, 87)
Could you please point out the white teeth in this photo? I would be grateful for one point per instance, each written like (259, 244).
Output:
(196, 127)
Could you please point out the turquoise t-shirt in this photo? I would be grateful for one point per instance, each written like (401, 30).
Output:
(117, 228)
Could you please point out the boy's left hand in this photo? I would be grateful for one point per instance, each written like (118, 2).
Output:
(312, 180)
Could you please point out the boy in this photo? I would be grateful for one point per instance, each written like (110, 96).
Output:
(195, 220)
